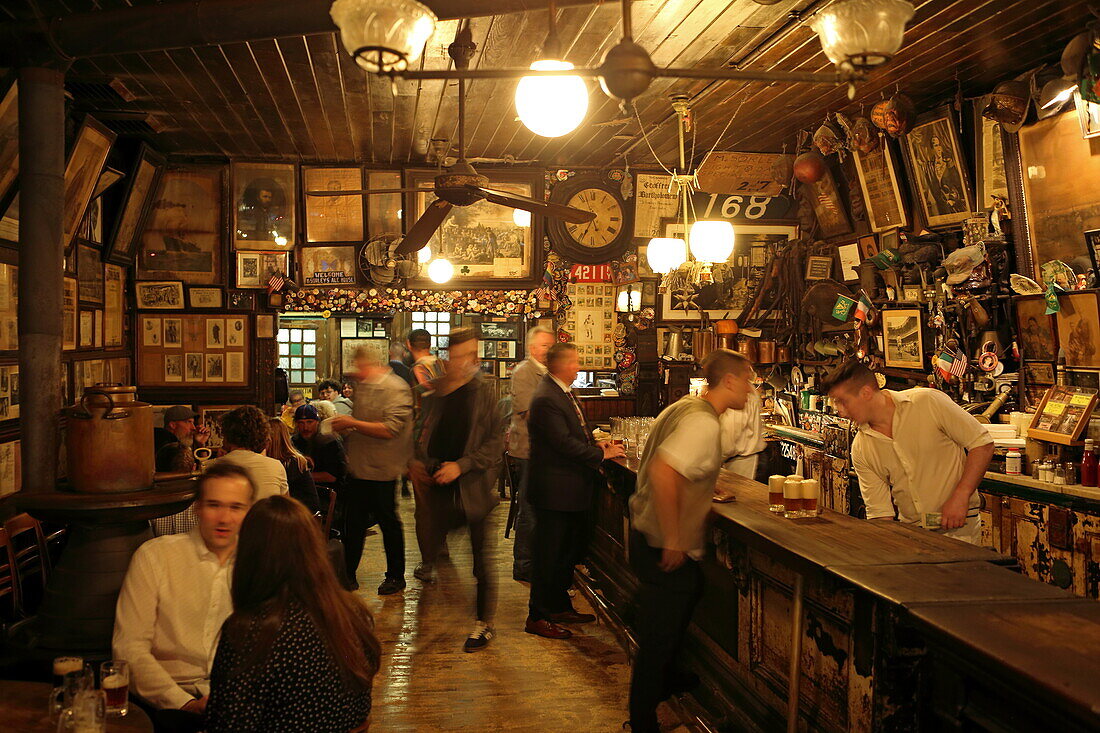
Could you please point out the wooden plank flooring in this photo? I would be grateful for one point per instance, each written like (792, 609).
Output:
(519, 683)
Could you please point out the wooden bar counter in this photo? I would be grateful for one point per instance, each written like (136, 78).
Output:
(902, 629)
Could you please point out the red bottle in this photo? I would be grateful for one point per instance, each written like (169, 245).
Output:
(1089, 465)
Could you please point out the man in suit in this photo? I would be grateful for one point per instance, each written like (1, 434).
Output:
(564, 474)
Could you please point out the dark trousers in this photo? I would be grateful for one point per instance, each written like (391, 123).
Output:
(560, 541)
(665, 603)
(442, 512)
(525, 523)
(377, 499)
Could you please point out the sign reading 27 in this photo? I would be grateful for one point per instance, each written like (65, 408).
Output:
(726, 206)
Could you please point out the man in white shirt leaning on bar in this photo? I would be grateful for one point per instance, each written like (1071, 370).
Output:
(175, 598)
(916, 451)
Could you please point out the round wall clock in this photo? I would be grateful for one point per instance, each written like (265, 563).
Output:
(605, 237)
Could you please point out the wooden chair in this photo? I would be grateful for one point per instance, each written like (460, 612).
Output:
(56, 537)
(326, 518)
(9, 585)
(511, 474)
(31, 557)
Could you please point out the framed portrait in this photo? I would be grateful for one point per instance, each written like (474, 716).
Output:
(134, 209)
(725, 299)
(173, 333)
(91, 226)
(242, 300)
(328, 265)
(152, 331)
(991, 179)
(167, 295)
(348, 347)
(183, 237)
(487, 349)
(1038, 372)
(333, 218)
(1079, 328)
(254, 269)
(215, 333)
(483, 241)
(937, 169)
(9, 137)
(264, 200)
(1035, 330)
(234, 332)
(849, 258)
(114, 283)
(868, 246)
(818, 267)
(832, 217)
(89, 274)
(69, 309)
(193, 368)
(205, 297)
(903, 341)
(878, 179)
(89, 153)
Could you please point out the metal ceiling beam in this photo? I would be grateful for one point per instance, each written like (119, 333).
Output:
(203, 23)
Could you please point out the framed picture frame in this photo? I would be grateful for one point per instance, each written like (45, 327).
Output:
(334, 218)
(265, 197)
(483, 242)
(938, 169)
(265, 326)
(90, 230)
(114, 285)
(9, 138)
(878, 179)
(89, 274)
(1036, 334)
(384, 209)
(868, 246)
(848, 257)
(241, 300)
(159, 295)
(254, 269)
(348, 347)
(210, 417)
(1078, 322)
(495, 330)
(829, 210)
(1092, 243)
(1038, 372)
(903, 338)
(205, 297)
(87, 328)
(1088, 116)
(133, 212)
(70, 315)
(86, 160)
(182, 239)
(328, 265)
(990, 175)
(819, 267)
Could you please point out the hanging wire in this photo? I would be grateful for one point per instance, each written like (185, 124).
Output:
(727, 127)
(646, 138)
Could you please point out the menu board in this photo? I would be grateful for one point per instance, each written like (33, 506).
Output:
(1063, 414)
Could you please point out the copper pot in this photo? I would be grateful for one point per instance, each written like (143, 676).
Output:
(766, 350)
(783, 354)
(702, 343)
(746, 347)
(110, 441)
(727, 341)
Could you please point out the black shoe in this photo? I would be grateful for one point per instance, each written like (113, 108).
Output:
(479, 638)
(424, 573)
(390, 586)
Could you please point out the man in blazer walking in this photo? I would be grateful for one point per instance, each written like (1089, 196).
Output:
(564, 475)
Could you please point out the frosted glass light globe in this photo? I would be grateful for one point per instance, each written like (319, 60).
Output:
(441, 270)
(424, 255)
(711, 241)
(665, 254)
(551, 106)
(521, 218)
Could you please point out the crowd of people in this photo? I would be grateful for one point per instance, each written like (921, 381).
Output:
(244, 618)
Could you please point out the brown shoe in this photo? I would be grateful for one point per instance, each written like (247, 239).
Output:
(572, 617)
(546, 629)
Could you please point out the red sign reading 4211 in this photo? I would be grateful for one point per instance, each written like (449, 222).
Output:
(590, 273)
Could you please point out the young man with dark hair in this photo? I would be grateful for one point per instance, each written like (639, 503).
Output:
(331, 390)
(426, 365)
(246, 435)
(916, 451)
(175, 597)
(564, 477)
(459, 445)
(330, 460)
(668, 514)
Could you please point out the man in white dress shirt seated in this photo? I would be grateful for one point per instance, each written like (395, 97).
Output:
(175, 598)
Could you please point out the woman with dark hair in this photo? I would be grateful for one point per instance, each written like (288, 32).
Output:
(245, 433)
(299, 468)
(299, 652)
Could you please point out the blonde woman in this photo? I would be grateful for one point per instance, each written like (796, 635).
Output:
(298, 467)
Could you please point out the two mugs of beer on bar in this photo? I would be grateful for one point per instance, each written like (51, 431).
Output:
(794, 496)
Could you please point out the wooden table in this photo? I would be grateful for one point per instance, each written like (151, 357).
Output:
(25, 709)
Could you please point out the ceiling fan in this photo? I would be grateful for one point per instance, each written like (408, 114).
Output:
(461, 185)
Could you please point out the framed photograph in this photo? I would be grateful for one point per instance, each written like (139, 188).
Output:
(210, 417)
(215, 367)
(87, 328)
(818, 267)
(254, 269)
(348, 347)
(234, 332)
(868, 246)
(89, 274)
(832, 217)
(205, 297)
(173, 333)
(215, 333)
(234, 366)
(903, 341)
(173, 367)
(328, 265)
(114, 283)
(724, 299)
(134, 209)
(1079, 328)
(152, 333)
(492, 330)
(333, 218)
(1038, 372)
(193, 368)
(264, 199)
(1035, 330)
(182, 239)
(89, 154)
(166, 295)
(9, 137)
(483, 241)
(878, 179)
(848, 255)
(91, 226)
(937, 169)
(69, 307)
(991, 180)
(506, 349)
(265, 327)
(242, 300)
(487, 349)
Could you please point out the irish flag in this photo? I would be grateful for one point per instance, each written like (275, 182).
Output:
(865, 310)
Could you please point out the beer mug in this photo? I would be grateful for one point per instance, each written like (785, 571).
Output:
(114, 680)
(202, 455)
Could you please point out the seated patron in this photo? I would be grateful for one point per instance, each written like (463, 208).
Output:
(175, 442)
(330, 460)
(331, 391)
(298, 467)
(297, 399)
(175, 597)
(299, 652)
(245, 433)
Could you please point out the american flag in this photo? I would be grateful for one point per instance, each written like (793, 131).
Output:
(958, 366)
(275, 283)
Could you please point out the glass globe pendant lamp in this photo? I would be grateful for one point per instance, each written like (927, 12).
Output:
(424, 255)
(862, 33)
(441, 270)
(711, 241)
(665, 254)
(383, 36)
(521, 218)
(551, 106)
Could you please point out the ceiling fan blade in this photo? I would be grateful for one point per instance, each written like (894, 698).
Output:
(364, 191)
(545, 208)
(424, 227)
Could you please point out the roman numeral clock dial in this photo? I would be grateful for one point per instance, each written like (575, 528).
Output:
(605, 237)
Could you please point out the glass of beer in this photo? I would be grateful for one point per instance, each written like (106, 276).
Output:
(115, 683)
(792, 498)
(811, 493)
(775, 493)
(63, 665)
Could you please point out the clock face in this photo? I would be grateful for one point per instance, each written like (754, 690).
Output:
(608, 223)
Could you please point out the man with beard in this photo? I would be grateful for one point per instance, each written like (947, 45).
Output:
(174, 444)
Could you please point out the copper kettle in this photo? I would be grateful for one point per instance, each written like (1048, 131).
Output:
(109, 439)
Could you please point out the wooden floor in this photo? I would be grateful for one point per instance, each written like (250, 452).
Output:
(520, 682)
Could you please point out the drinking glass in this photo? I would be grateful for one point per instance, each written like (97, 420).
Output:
(72, 683)
(64, 665)
(87, 714)
(115, 681)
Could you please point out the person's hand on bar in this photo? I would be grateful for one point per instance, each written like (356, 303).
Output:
(610, 450)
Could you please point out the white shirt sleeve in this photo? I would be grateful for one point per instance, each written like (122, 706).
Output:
(955, 422)
(873, 483)
(693, 449)
(135, 621)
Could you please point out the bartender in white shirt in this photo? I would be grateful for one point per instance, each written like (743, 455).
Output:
(915, 451)
(742, 434)
(175, 597)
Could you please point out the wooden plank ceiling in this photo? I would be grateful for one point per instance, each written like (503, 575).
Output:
(302, 98)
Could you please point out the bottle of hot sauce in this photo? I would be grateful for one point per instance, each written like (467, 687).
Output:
(1089, 464)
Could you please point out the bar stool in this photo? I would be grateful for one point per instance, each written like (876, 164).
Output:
(9, 584)
(29, 553)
